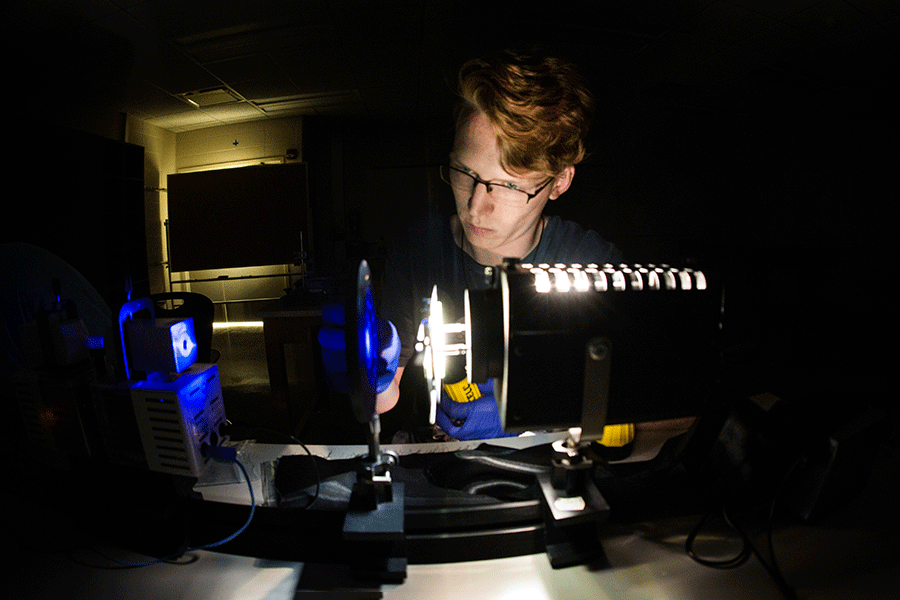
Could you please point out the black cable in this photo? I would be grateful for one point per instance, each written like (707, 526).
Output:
(772, 569)
(315, 496)
(771, 566)
(726, 563)
(775, 569)
(308, 453)
(292, 438)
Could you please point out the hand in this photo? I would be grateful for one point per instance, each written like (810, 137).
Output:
(334, 350)
(476, 419)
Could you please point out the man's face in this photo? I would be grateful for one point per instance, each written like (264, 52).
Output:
(492, 227)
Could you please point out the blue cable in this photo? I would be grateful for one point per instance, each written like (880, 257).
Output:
(220, 454)
(249, 518)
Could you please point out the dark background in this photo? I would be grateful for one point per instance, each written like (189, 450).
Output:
(747, 137)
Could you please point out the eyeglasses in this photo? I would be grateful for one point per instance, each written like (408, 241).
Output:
(504, 193)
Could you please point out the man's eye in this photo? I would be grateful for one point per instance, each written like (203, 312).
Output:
(511, 186)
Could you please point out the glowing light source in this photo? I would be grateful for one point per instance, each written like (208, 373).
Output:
(182, 341)
(431, 337)
(438, 341)
(574, 277)
(669, 279)
(581, 283)
(701, 280)
(561, 280)
(184, 344)
(637, 282)
(238, 325)
(542, 281)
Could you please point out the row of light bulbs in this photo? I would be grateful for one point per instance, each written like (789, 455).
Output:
(578, 278)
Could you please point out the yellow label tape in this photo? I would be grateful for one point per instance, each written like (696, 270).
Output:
(617, 435)
(462, 391)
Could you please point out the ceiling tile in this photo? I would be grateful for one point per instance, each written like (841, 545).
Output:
(831, 20)
(777, 9)
(59, 16)
(359, 57)
(183, 121)
(244, 68)
(177, 73)
(316, 69)
(266, 89)
(882, 11)
(726, 22)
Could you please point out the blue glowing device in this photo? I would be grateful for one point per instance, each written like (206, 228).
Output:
(368, 339)
(362, 349)
(184, 344)
(155, 345)
(178, 407)
(177, 418)
(162, 345)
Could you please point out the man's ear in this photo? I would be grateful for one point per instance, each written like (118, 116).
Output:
(562, 183)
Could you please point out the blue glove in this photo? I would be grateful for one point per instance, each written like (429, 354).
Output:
(334, 350)
(476, 419)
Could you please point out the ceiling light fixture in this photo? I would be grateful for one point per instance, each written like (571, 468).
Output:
(210, 97)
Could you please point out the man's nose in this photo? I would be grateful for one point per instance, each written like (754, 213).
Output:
(480, 202)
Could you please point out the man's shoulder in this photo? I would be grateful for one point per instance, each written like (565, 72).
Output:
(569, 242)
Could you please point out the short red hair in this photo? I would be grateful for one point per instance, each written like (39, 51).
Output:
(539, 106)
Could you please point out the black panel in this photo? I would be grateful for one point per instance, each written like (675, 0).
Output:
(241, 217)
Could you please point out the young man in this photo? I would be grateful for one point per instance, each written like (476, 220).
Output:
(521, 128)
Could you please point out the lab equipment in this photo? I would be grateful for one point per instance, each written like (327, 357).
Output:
(585, 345)
(177, 402)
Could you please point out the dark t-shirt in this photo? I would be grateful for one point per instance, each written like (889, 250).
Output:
(428, 255)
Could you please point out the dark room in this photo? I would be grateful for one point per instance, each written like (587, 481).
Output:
(655, 230)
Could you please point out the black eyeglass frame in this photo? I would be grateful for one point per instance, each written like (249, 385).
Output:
(445, 175)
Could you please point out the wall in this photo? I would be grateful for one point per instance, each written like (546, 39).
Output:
(242, 141)
(82, 199)
(159, 159)
(369, 181)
